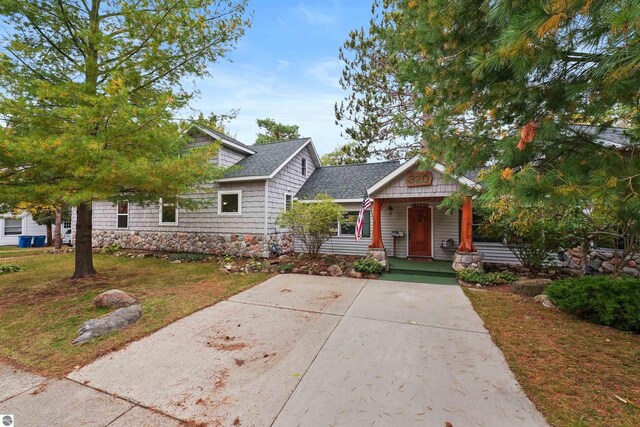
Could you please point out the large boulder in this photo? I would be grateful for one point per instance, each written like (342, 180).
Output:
(114, 299)
(114, 321)
(335, 270)
(530, 287)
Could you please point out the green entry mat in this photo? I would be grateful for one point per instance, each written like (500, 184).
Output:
(419, 278)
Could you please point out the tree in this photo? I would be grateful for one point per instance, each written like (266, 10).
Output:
(52, 218)
(90, 91)
(343, 155)
(275, 132)
(218, 122)
(312, 224)
(522, 90)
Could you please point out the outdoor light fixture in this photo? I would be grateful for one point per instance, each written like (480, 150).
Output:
(390, 210)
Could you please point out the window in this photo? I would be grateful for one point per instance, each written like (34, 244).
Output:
(288, 201)
(229, 202)
(304, 167)
(12, 226)
(478, 235)
(347, 226)
(66, 223)
(123, 214)
(168, 213)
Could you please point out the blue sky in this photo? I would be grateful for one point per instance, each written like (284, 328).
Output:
(287, 68)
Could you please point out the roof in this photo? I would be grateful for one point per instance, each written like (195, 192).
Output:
(605, 136)
(267, 160)
(226, 140)
(347, 182)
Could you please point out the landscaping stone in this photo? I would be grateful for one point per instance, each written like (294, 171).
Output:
(114, 298)
(355, 274)
(335, 270)
(631, 271)
(530, 287)
(544, 300)
(114, 321)
(467, 261)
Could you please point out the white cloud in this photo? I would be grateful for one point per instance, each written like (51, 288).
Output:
(327, 72)
(316, 17)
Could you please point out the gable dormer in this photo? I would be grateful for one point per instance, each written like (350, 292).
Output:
(231, 150)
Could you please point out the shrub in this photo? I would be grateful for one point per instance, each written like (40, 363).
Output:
(604, 300)
(312, 224)
(487, 279)
(111, 249)
(368, 266)
(188, 257)
(287, 268)
(9, 268)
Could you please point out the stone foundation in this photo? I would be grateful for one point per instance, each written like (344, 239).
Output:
(467, 261)
(244, 245)
(601, 261)
(380, 255)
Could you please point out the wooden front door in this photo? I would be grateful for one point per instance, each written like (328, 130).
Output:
(420, 232)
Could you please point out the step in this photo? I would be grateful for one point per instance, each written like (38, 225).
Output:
(419, 278)
(412, 271)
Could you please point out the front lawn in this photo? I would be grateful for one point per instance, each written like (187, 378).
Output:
(41, 309)
(576, 373)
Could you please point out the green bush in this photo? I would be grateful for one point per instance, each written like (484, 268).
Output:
(287, 268)
(368, 266)
(111, 249)
(9, 268)
(188, 257)
(487, 279)
(604, 300)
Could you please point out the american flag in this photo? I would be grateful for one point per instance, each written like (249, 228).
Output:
(366, 204)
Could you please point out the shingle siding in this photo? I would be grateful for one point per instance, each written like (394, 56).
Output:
(440, 187)
(229, 157)
(287, 181)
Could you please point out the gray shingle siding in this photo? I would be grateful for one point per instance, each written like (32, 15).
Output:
(229, 157)
(287, 181)
(441, 187)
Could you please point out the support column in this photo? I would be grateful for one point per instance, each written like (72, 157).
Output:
(376, 238)
(466, 232)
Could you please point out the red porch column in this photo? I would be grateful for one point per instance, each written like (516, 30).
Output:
(376, 238)
(466, 233)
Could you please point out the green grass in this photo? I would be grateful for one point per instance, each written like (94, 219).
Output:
(571, 370)
(41, 309)
(14, 252)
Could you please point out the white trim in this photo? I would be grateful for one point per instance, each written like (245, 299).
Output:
(409, 232)
(17, 218)
(160, 206)
(407, 165)
(353, 235)
(225, 141)
(225, 192)
(274, 173)
(118, 215)
(266, 207)
(335, 200)
(303, 167)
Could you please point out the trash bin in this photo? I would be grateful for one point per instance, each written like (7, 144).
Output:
(24, 241)
(39, 241)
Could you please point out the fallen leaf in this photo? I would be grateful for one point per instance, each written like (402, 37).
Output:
(621, 399)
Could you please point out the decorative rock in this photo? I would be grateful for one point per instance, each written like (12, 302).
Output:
(114, 321)
(380, 255)
(323, 273)
(530, 287)
(631, 271)
(114, 298)
(467, 261)
(334, 270)
(544, 300)
(355, 274)
(607, 267)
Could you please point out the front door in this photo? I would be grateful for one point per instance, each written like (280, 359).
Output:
(420, 232)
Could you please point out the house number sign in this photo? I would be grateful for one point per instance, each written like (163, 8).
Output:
(419, 178)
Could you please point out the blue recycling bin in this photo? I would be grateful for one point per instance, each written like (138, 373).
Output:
(39, 241)
(24, 241)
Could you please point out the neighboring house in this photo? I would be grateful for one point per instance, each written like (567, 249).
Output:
(13, 226)
(267, 178)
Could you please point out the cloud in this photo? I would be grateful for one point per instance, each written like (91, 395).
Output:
(327, 72)
(282, 64)
(316, 17)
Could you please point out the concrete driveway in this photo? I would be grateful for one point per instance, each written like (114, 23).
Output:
(303, 350)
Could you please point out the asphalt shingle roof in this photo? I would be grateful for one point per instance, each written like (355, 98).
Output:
(610, 136)
(345, 182)
(267, 159)
(223, 136)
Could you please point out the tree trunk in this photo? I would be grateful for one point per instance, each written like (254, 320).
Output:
(84, 253)
(58, 231)
(49, 235)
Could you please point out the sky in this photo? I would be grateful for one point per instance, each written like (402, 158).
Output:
(286, 67)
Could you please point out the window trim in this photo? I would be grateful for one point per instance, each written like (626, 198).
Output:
(363, 229)
(4, 227)
(160, 206)
(227, 192)
(285, 201)
(304, 167)
(118, 215)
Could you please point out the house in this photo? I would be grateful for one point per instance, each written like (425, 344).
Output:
(266, 179)
(13, 226)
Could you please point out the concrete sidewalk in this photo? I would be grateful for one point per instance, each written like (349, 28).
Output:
(295, 350)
